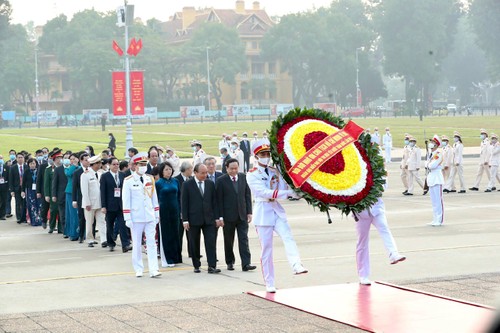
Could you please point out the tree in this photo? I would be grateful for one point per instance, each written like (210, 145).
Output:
(5, 12)
(226, 56)
(416, 35)
(484, 16)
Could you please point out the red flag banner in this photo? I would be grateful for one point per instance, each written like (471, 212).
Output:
(131, 47)
(322, 152)
(138, 47)
(137, 93)
(117, 48)
(119, 97)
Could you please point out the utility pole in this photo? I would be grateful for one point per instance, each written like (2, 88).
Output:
(208, 78)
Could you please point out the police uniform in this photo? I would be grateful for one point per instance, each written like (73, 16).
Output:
(457, 167)
(387, 141)
(239, 155)
(435, 181)
(269, 216)
(141, 213)
(484, 157)
(413, 166)
(494, 162)
(404, 168)
(199, 155)
(447, 157)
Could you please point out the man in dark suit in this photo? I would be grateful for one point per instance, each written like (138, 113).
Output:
(15, 184)
(199, 208)
(224, 154)
(234, 202)
(59, 182)
(111, 202)
(245, 148)
(186, 170)
(212, 174)
(4, 187)
(76, 195)
(40, 192)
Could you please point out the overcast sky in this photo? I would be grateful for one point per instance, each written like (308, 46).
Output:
(41, 11)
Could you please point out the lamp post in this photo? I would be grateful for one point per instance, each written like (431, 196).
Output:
(357, 78)
(37, 90)
(208, 78)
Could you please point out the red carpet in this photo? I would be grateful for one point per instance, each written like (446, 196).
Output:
(385, 308)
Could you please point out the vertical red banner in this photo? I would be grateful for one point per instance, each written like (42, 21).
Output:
(119, 96)
(137, 93)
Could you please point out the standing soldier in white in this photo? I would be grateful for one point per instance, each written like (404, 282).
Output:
(141, 213)
(404, 160)
(91, 201)
(447, 157)
(413, 166)
(435, 181)
(484, 157)
(238, 154)
(199, 154)
(458, 166)
(375, 138)
(267, 187)
(494, 162)
(387, 141)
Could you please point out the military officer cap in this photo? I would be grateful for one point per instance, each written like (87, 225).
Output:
(483, 131)
(167, 149)
(234, 140)
(140, 158)
(444, 138)
(436, 140)
(235, 133)
(387, 128)
(255, 133)
(245, 134)
(195, 143)
(56, 153)
(260, 146)
(411, 138)
(457, 134)
(494, 136)
(94, 159)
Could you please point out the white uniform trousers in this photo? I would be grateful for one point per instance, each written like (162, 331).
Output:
(404, 178)
(265, 234)
(149, 228)
(446, 174)
(387, 154)
(98, 216)
(456, 170)
(412, 177)
(436, 194)
(493, 176)
(482, 169)
(363, 247)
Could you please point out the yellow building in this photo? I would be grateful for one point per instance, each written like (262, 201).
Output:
(264, 83)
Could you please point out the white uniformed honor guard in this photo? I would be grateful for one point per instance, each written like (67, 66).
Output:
(141, 213)
(267, 186)
(435, 180)
(91, 201)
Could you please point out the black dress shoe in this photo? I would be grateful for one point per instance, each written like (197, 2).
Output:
(73, 239)
(452, 191)
(111, 248)
(66, 236)
(405, 192)
(91, 244)
(2, 218)
(213, 270)
(197, 270)
(8, 215)
(446, 191)
(248, 267)
(473, 189)
(487, 190)
(408, 193)
(493, 188)
(462, 191)
(80, 240)
(51, 231)
(425, 192)
(127, 248)
(230, 267)
(105, 244)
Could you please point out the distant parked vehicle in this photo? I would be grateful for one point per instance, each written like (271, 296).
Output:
(452, 108)
(354, 112)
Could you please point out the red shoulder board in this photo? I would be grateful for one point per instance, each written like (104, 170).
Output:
(252, 169)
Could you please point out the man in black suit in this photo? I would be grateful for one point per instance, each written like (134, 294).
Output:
(245, 148)
(199, 208)
(212, 174)
(59, 182)
(234, 202)
(76, 195)
(4, 187)
(111, 202)
(186, 170)
(15, 184)
(224, 154)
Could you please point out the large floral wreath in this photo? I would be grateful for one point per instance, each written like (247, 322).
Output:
(351, 181)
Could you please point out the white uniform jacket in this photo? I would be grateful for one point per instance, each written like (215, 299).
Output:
(238, 154)
(140, 202)
(265, 190)
(387, 139)
(199, 157)
(495, 155)
(406, 154)
(91, 189)
(414, 158)
(447, 156)
(484, 152)
(458, 149)
(175, 162)
(434, 165)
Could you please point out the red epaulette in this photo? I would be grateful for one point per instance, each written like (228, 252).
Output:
(252, 169)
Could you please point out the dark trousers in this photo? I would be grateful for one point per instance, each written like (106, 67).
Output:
(114, 218)
(229, 230)
(81, 224)
(246, 162)
(8, 204)
(20, 207)
(54, 215)
(61, 206)
(44, 212)
(181, 237)
(209, 239)
(3, 202)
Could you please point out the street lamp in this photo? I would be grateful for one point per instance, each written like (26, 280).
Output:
(208, 78)
(358, 91)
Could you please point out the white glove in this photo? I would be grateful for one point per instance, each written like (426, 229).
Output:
(129, 223)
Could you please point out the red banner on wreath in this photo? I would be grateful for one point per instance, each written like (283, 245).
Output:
(318, 155)
(137, 93)
(119, 96)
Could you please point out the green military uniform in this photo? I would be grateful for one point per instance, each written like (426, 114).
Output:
(54, 211)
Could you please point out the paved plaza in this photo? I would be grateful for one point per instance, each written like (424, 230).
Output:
(49, 284)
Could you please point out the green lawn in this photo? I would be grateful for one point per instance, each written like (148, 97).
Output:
(178, 136)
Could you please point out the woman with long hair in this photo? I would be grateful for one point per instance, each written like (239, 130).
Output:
(33, 204)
